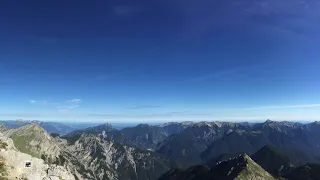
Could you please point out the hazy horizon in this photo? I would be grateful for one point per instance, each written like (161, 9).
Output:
(153, 123)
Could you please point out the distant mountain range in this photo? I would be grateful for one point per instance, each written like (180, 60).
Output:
(174, 151)
(50, 127)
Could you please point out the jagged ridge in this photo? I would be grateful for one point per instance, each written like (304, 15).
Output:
(34, 140)
(241, 167)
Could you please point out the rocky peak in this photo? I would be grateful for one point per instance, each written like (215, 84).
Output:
(34, 126)
(241, 167)
(143, 126)
(278, 125)
(94, 130)
(315, 124)
(35, 141)
(183, 123)
(230, 124)
(107, 125)
(103, 127)
(220, 124)
(281, 123)
(203, 124)
(13, 165)
(174, 127)
(187, 123)
(33, 130)
(168, 124)
(269, 121)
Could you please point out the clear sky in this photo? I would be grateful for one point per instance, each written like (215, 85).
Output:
(152, 60)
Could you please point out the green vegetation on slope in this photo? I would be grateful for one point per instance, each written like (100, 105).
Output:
(253, 170)
(22, 144)
(34, 140)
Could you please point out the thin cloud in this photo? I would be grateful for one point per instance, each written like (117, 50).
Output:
(23, 115)
(109, 115)
(70, 105)
(165, 114)
(75, 101)
(65, 106)
(284, 107)
(38, 102)
(143, 107)
(271, 107)
(232, 72)
(32, 101)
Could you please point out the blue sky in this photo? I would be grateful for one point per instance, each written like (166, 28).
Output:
(147, 61)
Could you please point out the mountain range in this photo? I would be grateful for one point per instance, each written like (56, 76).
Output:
(50, 127)
(184, 150)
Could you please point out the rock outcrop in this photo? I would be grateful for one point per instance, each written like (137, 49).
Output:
(97, 158)
(13, 165)
(34, 140)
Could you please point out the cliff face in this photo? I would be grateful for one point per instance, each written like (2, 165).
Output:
(104, 159)
(34, 140)
(13, 165)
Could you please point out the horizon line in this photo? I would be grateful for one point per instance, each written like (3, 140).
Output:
(161, 122)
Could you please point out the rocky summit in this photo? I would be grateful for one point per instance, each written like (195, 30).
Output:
(13, 165)
(241, 167)
(34, 140)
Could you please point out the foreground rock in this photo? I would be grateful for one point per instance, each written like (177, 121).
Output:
(35, 141)
(13, 165)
